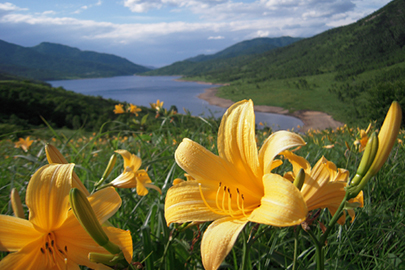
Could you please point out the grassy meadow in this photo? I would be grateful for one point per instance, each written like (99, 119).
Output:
(374, 240)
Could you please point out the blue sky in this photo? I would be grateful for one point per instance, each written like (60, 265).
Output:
(160, 32)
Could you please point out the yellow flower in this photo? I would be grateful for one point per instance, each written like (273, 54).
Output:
(132, 177)
(235, 187)
(52, 238)
(24, 143)
(119, 108)
(324, 185)
(134, 109)
(157, 106)
(362, 142)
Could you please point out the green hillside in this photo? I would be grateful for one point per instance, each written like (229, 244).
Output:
(225, 58)
(373, 42)
(351, 72)
(48, 61)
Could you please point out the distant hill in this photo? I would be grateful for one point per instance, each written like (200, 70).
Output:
(49, 61)
(375, 41)
(204, 63)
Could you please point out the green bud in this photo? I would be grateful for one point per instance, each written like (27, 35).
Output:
(300, 179)
(367, 159)
(87, 218)
(108, 170)
(107, 259)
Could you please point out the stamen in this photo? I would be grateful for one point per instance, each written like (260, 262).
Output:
(223, 199)
(230, 204)
(206, 203)
(216, 198)
(243, 203)
(43, 251)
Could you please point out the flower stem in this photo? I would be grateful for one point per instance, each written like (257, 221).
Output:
(296, 234)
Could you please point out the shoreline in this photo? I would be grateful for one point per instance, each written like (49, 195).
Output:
(311, 119)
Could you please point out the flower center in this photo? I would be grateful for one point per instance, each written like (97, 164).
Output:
(226, 204)
(52, 251)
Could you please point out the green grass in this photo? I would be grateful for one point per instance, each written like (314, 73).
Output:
(373, 241)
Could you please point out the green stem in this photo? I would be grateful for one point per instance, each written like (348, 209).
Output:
(319, 252)
(246, 248)
(333, 221)
(296, 234)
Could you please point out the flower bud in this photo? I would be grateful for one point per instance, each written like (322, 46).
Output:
(300, 179)
(16, 204)
(87, 218)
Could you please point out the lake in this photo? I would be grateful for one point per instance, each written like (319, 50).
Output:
(142, 90)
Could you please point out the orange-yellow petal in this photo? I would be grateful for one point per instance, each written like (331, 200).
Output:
(218, 240)
(275, 144)
(54, 156)
(130, 160)
(125, 180)
(184, 203)
(121, 238)
(29, 257)
(236, 140)
(15, 233)
(47, 195)
(203, 165)
(282, 204)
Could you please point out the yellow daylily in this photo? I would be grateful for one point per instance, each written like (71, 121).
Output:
(362, 142)
(236, 186)
(24, 144)
(134, 109)
(52, 238)
(119, 108)
(324, 184)
(132, 177)
(157, 106)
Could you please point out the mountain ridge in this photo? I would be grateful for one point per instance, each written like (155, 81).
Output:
(51, 61)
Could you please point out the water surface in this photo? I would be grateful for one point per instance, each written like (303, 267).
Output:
(143, 90)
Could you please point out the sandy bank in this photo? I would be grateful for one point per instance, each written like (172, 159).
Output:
(311, 119)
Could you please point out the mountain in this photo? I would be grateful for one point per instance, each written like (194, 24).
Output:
(49, 61)
(253, 46)
(373, 42)
(197, 64)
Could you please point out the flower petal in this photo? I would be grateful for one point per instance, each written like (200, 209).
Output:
(29, 257)
(121, 238)
(237, 142)
(201, 164)
(219, 239)
(54, 156)
(275, 144)
(125, 180)
(330, 194)
(130, 160)
(184, 204)
(297, 162)
(47, 196)
(15, 233)
(319, 177)
(282, 204)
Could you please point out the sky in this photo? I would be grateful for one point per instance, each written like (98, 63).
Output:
(160, 32)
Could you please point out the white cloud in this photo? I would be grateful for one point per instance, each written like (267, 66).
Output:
(217, 37)
(10, 7)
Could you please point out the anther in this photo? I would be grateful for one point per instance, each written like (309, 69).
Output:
(43, 251)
